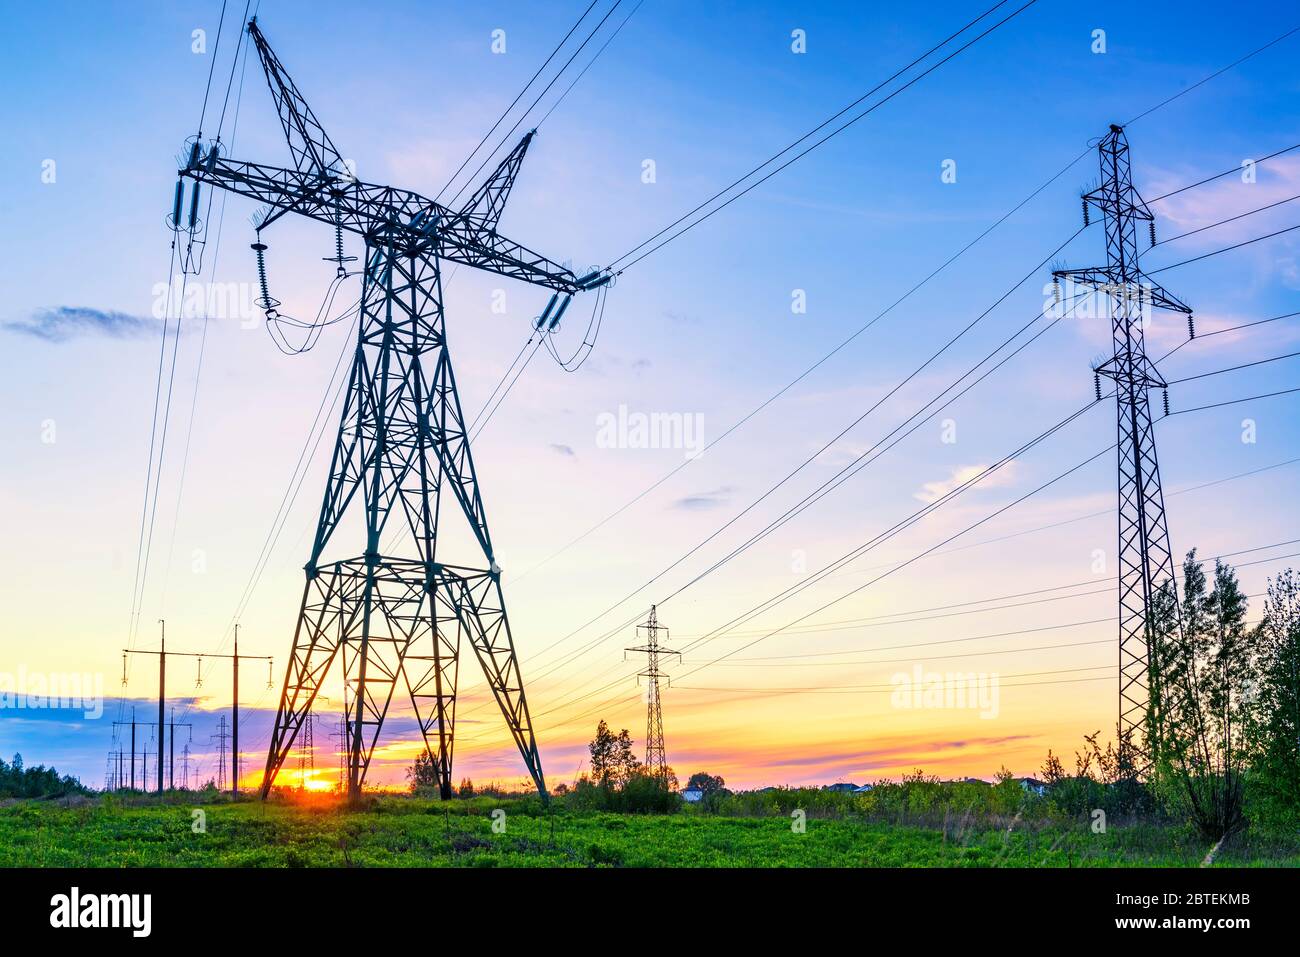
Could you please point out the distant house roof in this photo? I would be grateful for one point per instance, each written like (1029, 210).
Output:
(863, 789)
(691, 795)
(1032, 784)
(840, 786)
(966, 781)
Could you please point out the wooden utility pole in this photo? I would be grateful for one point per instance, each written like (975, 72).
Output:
(234, 719)
(162, 698)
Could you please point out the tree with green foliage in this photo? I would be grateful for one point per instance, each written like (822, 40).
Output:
(612, 762)
(1274, 722)
(707, 784)
(1201, 697)
(19, 781)
(423, 774)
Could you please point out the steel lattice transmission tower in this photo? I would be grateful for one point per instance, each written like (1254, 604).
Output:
(402, 451)
(655, 758)
(1146, 565)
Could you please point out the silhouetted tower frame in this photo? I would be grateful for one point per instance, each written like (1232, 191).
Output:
(402, 449)
(1146, 564)
(656, 758)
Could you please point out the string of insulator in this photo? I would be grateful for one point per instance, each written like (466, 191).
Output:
(1085, 212)
(1166, 391)
(1056, 288)
(339, 259)
(266, 302)
(1152, 224)
(1191, 326)
(1096, 381)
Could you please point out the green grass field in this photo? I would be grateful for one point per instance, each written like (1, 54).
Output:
(414, 832)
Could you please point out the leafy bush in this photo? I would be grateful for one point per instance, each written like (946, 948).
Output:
(640, 794)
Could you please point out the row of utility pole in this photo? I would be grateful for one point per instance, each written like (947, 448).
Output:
(118, 777)
(235, 658)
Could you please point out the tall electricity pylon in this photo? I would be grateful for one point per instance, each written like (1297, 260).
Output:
(402, 448)
(1146, 564)
(655, 758)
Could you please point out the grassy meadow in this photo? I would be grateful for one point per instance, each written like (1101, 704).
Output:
(408, 831)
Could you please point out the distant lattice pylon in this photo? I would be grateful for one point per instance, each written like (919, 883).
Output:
(656, 759)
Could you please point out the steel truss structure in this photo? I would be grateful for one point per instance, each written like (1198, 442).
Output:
(656, 758)
(402, 451)
(1146, 565)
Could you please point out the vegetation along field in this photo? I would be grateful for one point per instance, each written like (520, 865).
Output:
(764, 830)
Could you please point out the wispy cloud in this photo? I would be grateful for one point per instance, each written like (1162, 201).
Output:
(61, 323)
(933, 491)
(702, 501)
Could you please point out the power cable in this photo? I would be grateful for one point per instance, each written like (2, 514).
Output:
(830, 135)
(517, 98)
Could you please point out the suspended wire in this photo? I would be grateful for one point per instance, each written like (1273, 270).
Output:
(892, 688)
(848, 556)
(1219, 405)
(1236, 368)
(315, 433)
(907, 522)
(517, 98)
(915, 558)
(203, 338)
(486, 418)
(839, 563)
(1225, 249)
(779, 393)
(225, 102)
(790, 513)
(573, 656)
(1230, 219)
(1216, 73)
(501, 382)
(315, 327)
(149, 469)
(1226, 172)
(608, 41)
(815, 130)
(1219, 332)
(511, 131)
(831, 442)
(537, 338)
(567, 365)
(158, 441)
(813, 579)
(876, 622)
(771, 602)
(212, 64)
(963, 609)
(1111, 511)
(832, 483)
(162, 450)
(808, 371)
(589, 337)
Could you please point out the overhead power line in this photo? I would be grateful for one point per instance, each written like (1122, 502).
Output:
(869, 110)
(770, 603)
(844, 343)
(506, 112)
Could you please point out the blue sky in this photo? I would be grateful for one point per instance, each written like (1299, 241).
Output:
(703, 327)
